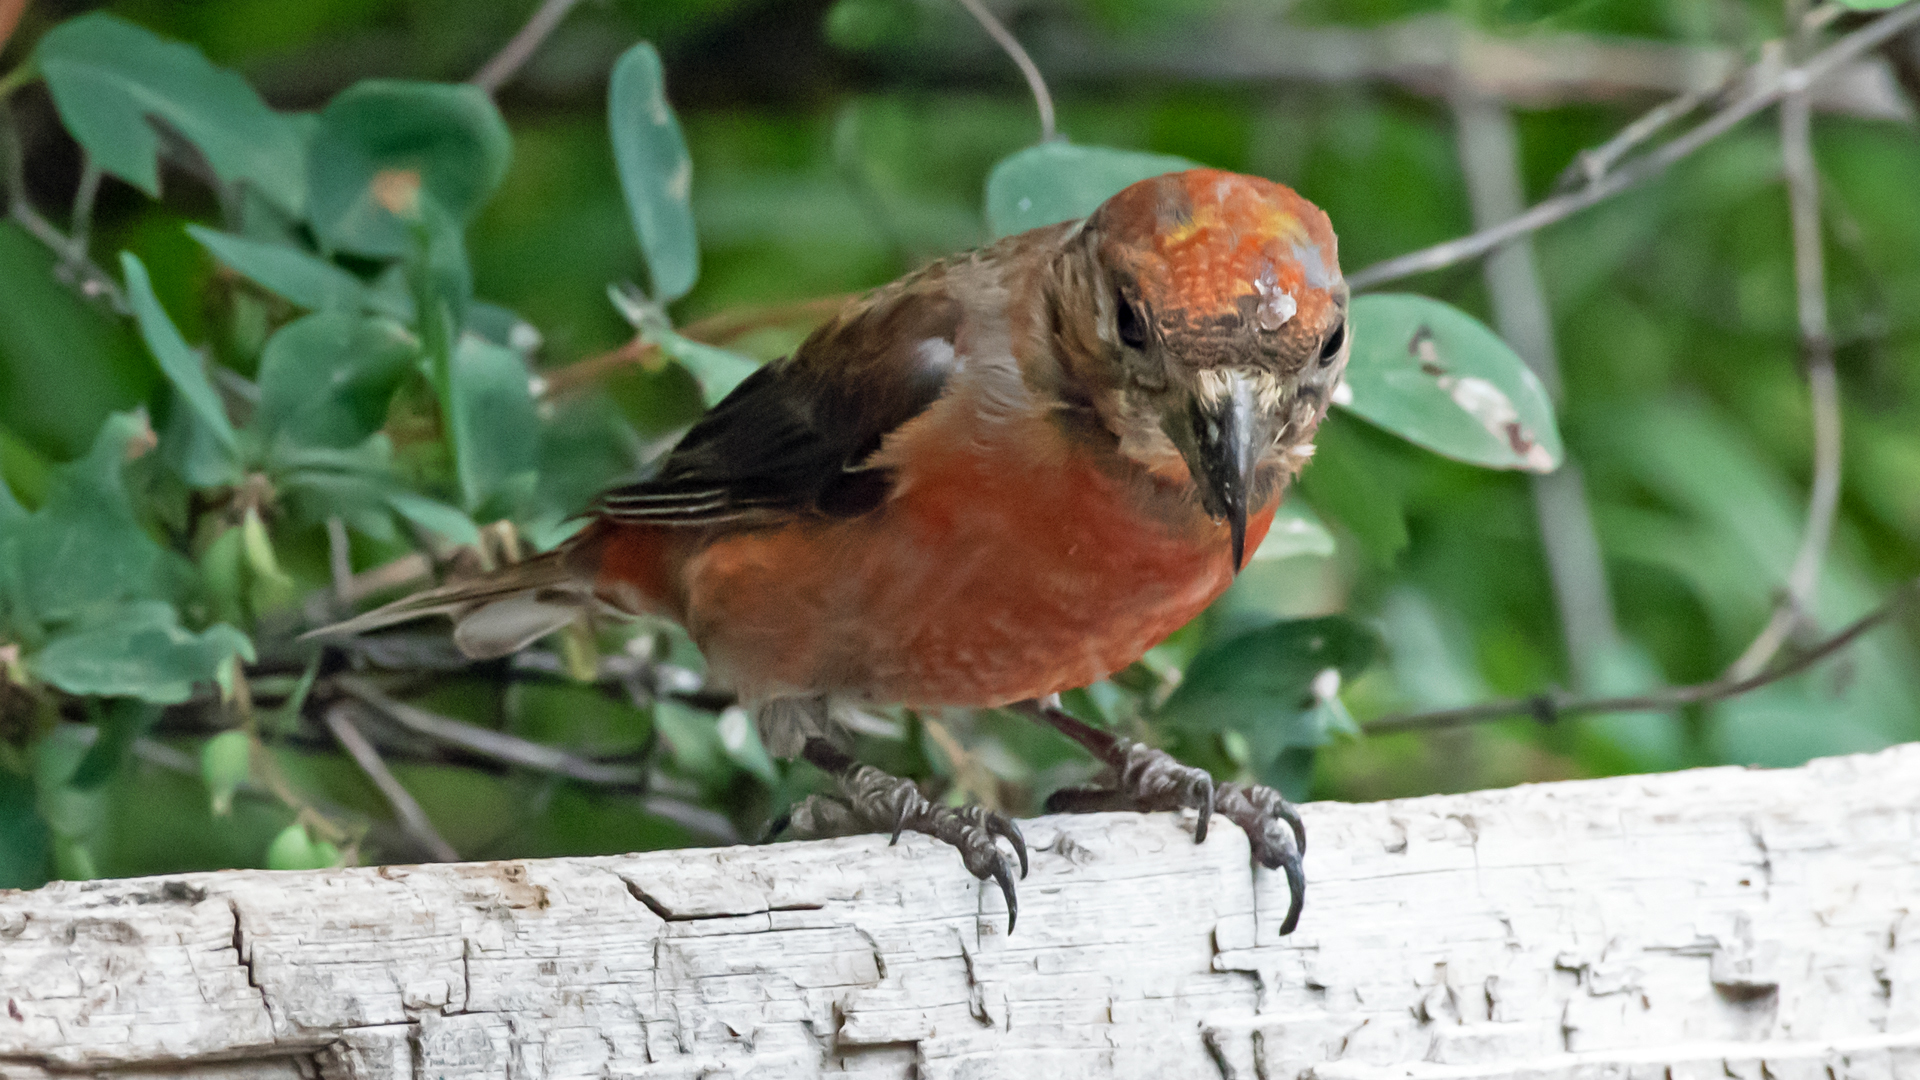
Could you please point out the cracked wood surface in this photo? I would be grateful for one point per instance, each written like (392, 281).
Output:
(1714, 923)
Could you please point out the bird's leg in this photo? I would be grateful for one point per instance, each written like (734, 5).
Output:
(1150, 779)
(873, 801)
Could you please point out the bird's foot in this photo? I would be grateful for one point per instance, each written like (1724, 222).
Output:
(874, 801)
(1151, 779)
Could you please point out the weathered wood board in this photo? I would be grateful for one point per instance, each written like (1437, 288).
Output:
(1715, 923)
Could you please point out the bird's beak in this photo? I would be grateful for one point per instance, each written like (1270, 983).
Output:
(1221, 433)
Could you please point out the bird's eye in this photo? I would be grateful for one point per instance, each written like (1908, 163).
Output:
(1331, 347)
(1127, 320)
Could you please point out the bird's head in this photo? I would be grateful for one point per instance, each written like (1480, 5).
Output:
(1219, 330)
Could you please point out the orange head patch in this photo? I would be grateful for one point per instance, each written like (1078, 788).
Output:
(1212, 254)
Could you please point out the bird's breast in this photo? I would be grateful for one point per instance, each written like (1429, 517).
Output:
(1001, 569)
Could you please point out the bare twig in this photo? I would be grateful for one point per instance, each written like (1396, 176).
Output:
(716, 329)
(497, 745)
(1766, 89)
(507, 62)
(80, 223)
(1547, 707)
(339, 559)
(1595, 162)
(1042, 99)
(93, 282)
(1816, 346)
(413, 820)
(1490, 158)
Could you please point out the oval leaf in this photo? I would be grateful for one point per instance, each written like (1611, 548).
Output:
(182, 366)
(1261, 683)
(387, 151)
(111, 79)
(1296, 530)
(1439, 378)
(656, 173)
(496, 433)
(306, 280)
(139, 651)
(327, 379)
(1058, 181)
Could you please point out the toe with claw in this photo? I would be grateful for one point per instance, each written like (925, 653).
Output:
(1275, 833)
(889, 804)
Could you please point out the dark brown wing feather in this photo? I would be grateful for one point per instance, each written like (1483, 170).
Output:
(793, 437)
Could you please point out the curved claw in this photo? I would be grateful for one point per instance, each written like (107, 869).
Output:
(1205, 806)
(1291, 816)
(1002, 826)
(1297, 886)
(1003, 876)
(900, 821)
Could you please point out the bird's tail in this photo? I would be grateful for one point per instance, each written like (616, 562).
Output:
(496, 613)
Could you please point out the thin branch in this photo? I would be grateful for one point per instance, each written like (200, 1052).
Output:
(413, 820)
(507, 62)
(499, 746)
(1591, 164)
(1042, 99)
(1768, 87)
(717, 329)
(1490, 159)
(1816, 346)
(339, 559)
(93, 282)
(1548, 708)
(80, 222)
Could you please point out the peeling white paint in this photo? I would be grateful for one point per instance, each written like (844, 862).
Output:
(1715, 923)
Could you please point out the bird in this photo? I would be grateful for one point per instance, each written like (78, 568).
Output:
(1007, 474)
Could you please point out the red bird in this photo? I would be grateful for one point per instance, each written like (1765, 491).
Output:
(1005, 475)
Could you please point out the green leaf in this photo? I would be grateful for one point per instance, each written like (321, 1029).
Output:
(182, 366)
(740, 741)
(693, 737)
(1439, 378)
(1261, 683)
(126, 720)
(656, 173)
(327, 379)
(24, 840)
(226, 762)
(496, 434)
(1296, 530)
(387, 152)
(306, 280)
(85, 547)
(139, 650)
(65, 363)
(1057, 181)
(715, 369)
(296, 849)
(435, 517)
(111, 80)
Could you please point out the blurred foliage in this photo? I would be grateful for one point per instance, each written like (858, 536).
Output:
(352, 284)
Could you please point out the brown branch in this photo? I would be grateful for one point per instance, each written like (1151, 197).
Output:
(413, 820)
(1036, 83)
(717, 329)
(1767, 88)
(507, 62)
(485, 742)
(1548, 707)
(1816, 346)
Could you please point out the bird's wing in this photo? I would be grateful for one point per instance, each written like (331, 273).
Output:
(795, 436)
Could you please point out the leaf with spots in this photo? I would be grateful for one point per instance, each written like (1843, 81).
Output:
(656, 173)
(1439, 378)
